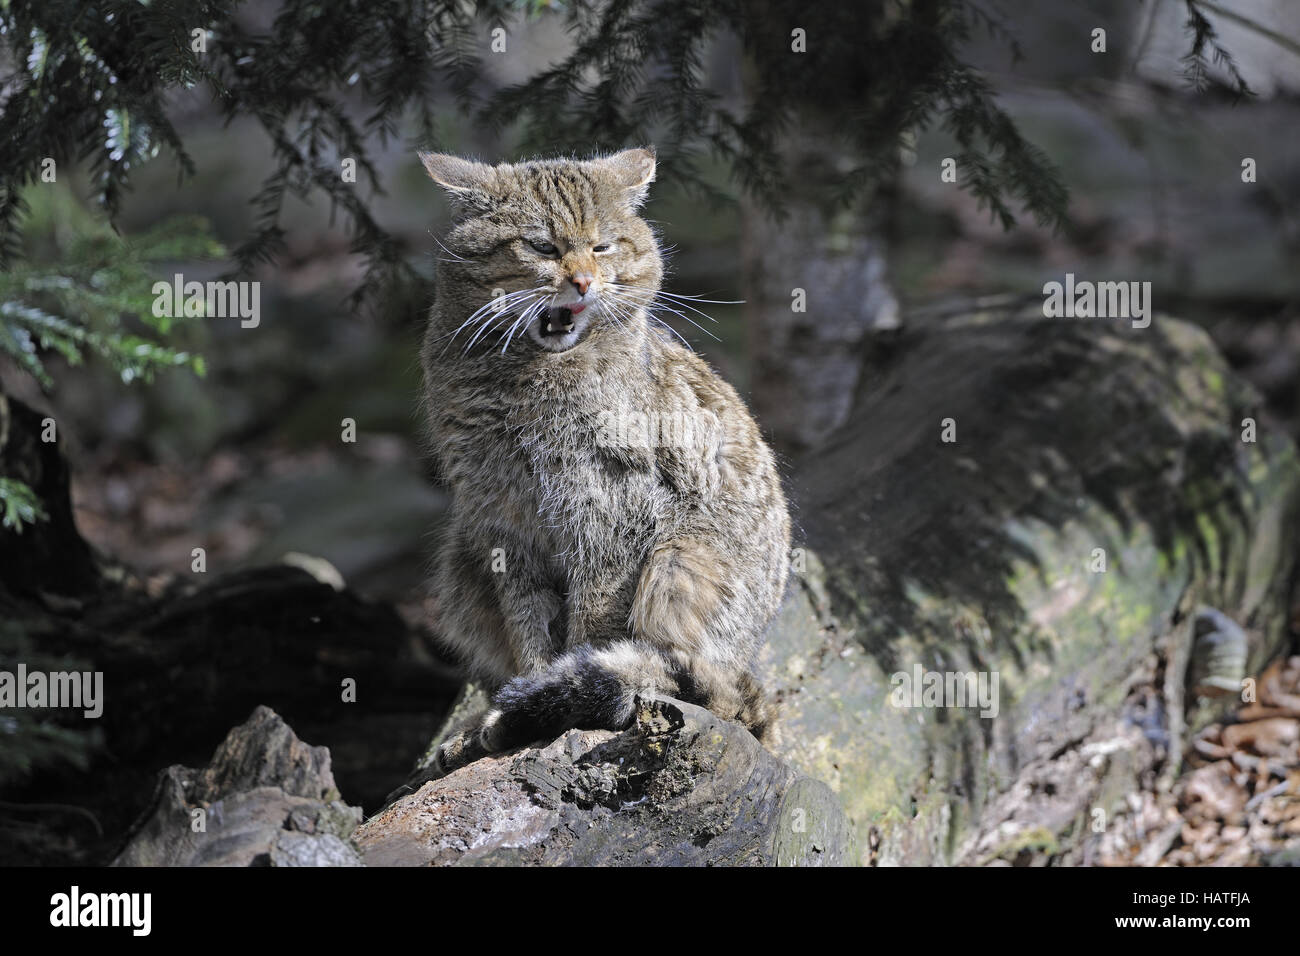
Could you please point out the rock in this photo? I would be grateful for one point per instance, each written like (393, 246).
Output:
(680, 787)
(268, 799)
(469, 701)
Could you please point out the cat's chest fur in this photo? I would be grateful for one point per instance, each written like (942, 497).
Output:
(541, 456)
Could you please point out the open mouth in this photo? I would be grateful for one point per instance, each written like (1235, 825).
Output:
(559, 328)
(558, 322)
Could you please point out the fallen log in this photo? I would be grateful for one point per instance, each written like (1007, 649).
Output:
(1108, 491)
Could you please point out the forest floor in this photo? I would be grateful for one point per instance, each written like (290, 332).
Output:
(1238, 799)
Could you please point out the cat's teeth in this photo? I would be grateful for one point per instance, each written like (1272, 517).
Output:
(553, 325)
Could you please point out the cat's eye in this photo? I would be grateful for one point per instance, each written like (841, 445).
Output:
(603, 247)
(545, 248)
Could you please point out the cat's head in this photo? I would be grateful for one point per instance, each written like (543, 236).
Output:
(544, 255)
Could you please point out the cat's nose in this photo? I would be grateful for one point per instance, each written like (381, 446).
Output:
(582, 281)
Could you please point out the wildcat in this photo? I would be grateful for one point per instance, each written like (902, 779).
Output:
(592, 554)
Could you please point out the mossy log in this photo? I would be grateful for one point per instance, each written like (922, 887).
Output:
(1101, 501)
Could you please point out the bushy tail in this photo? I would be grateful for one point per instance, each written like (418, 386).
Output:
(595, 687)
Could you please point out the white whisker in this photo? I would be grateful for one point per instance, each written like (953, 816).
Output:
(696, 298)
(629, 302)
(504, 316)
(455, 258)
(682, 301)
(529, 314)
(651, 306)
(501, 303)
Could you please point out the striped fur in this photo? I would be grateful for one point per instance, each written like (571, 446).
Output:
(583, 566)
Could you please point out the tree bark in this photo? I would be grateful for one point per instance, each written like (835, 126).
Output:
(816, 285)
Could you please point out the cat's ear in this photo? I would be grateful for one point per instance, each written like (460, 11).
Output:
(467, 182)
(634, 171)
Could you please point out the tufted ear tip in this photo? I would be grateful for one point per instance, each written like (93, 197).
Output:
(635, 168)
(469, 185)
(454, 173)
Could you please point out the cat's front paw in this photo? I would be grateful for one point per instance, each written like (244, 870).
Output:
(455, 752)
(466, 745)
